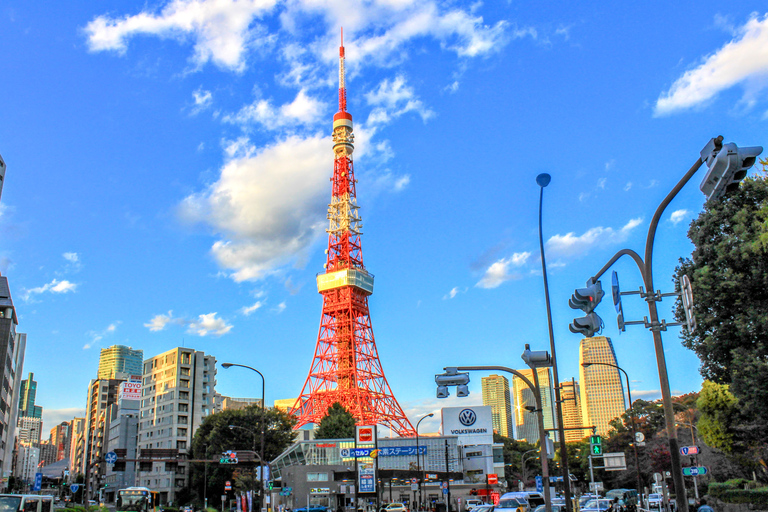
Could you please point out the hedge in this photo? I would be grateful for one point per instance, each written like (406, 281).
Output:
(733, 491)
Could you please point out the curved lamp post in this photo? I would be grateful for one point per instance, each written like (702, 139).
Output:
(543, 180)
(263, 419)
(632, 419)
(418, 457)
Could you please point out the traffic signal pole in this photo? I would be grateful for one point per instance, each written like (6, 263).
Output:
(646, 271)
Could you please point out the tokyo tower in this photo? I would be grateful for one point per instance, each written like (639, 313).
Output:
(346, 367)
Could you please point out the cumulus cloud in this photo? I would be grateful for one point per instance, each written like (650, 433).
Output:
(71, 257)
(159, 322)
(303, 110)
(677, 216)
(221, 29)
(499, 271)
(54, 286)
(570, 244)
(392, 99)
(209, 324)
(267, 207)
(202, 98)
(203, 325)
(743, 60)
(451, 294)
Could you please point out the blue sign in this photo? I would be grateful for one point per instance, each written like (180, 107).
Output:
(38, 482)
(110, 457)
(74, 487)
(445, 491)
(391, 451)
(367, 480)
(539, 484)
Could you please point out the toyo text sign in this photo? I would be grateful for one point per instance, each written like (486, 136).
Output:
(472, 425)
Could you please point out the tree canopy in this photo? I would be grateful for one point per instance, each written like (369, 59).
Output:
(338, 423)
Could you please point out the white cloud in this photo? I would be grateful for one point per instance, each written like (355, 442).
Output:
(53, 417)
(54, 286)
(97, 336)
(159, 322)
(677, 216)
(248, 310)
(71, 257)
(280, 307)
(498, 272)
(392, 99)
(221, 29)
(303, 110)
(209, 324)
(451, 294)
(628, 186)
(268, 205)
(601, 183)
(743, 60)
(572, 245)
(203, 99)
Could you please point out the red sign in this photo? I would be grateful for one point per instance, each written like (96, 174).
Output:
(365, 434)
(495, 497)
(493, 479)
(326, 445)
(227, 485)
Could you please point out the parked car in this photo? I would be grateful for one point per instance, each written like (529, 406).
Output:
(483, 508)
(471, 503)
(655, 501)
(555, 508)
(597, 505)
(395, 507)
(511, 504)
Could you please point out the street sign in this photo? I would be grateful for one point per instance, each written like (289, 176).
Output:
(110, 457)
(616, 291)
(539, 484)
(445, 491)
(596, 486)
(695, 471)
(74, 488)
(38, 482)
(227, 485)
(639, 437)
(287, 489)
(414, 487)
(615, 461)
(493, 479)
(689, 450)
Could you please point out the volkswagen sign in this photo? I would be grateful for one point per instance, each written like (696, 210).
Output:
(472, 425)
(467, 417)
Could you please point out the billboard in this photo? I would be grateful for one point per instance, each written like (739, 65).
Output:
(365, 434)
(130, 390)
(472, 425)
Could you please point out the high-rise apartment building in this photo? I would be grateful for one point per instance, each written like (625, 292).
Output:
(602, 393)
(496, 394)
(120, 362)
(177, 394)
(101, 394)
(12, 347)
(526, 423)
(77, 440)
(27, 395)
(569, 394)
(61, 440)
(30, 429)
(27, 460)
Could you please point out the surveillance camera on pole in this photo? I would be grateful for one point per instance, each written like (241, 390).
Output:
(536, 358)
(452, 377)
(727, 166)
(587, 300)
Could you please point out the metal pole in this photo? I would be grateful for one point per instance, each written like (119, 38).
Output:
(542, 442)
(543, 180)
(646, 269)
(418, 457)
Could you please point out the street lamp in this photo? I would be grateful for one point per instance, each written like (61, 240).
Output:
(418, 457)
(543, 180)
(263, 419)
(631, 417)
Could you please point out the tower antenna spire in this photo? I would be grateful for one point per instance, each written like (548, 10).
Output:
(342, 84)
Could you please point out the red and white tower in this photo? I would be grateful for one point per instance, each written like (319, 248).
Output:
(346, 367)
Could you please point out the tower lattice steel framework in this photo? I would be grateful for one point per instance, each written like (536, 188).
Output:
(346, 367)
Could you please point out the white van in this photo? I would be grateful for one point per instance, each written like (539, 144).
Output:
(25, 503)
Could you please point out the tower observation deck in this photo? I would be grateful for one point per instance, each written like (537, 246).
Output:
(346, 367)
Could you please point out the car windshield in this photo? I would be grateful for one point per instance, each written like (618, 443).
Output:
(509, 503)
(598, 504)
(9, 503)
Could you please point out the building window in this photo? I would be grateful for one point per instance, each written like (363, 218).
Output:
(184, 395)
(317, 477)
(183, 407)
(181, 445)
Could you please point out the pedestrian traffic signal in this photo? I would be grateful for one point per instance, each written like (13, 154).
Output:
(727, 166)
(597, 449)
(595, 445)
(587, 300)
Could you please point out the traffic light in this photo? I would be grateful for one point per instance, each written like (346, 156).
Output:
(452, 377)
(587, 300)
(727, 166)
(536, 358)
(595, 445)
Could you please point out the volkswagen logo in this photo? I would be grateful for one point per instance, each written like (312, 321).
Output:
(467, 417)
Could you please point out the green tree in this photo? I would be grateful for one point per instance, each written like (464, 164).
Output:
(214, 436)
(719, 410)
(338, 423)
(513, 459)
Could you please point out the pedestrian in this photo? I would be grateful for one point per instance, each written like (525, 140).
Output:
(704, 507)
(615, 506)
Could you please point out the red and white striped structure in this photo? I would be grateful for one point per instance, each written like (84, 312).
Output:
(346, 367)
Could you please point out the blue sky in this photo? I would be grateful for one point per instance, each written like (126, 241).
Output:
(168, 167)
